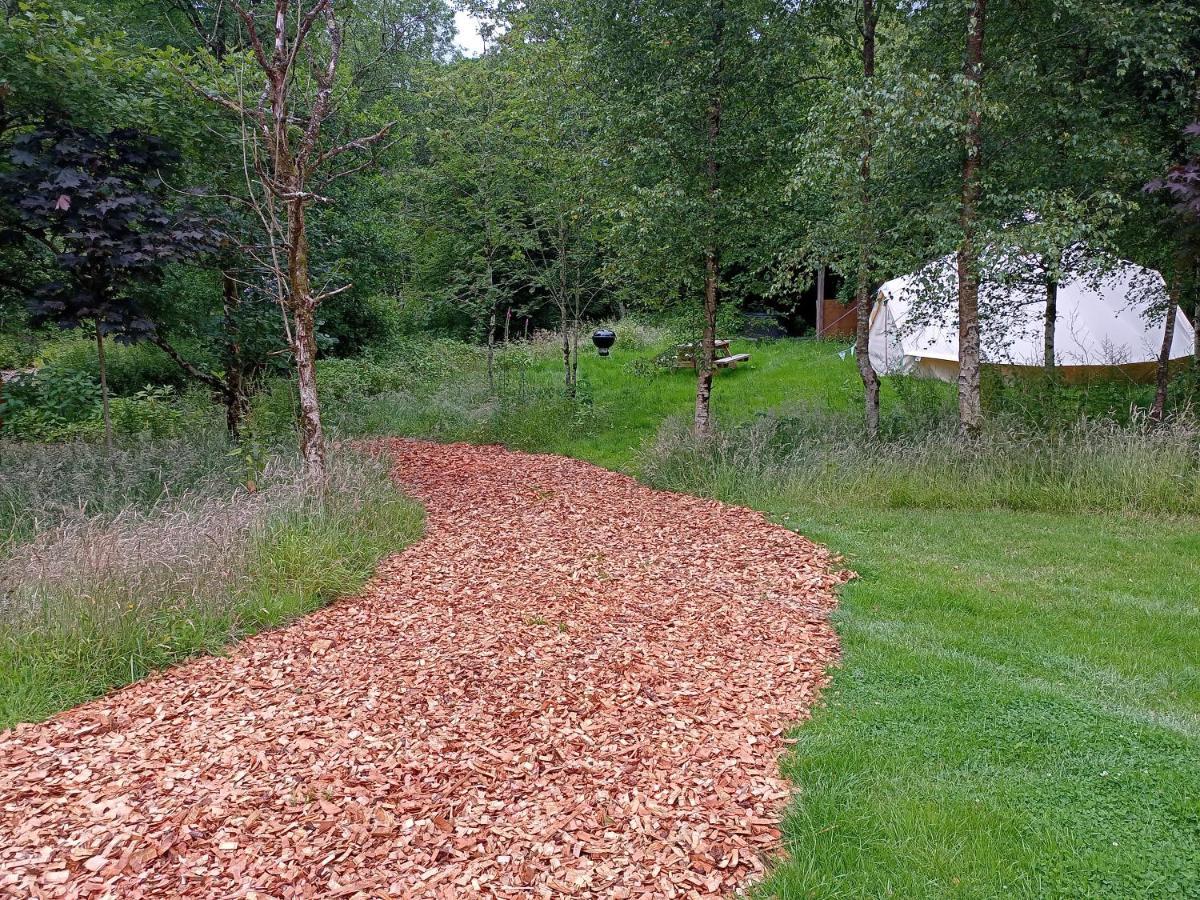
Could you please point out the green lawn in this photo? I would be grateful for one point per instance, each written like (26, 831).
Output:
(778, 373)
(633, 406)
(1018, 713)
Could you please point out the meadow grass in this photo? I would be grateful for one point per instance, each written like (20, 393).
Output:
(46, 484)
(1018, 708)
(190, 564)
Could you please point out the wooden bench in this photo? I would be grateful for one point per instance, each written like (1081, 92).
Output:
(685, 356)
(730, 362)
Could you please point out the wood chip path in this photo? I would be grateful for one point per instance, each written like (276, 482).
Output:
(574, 686)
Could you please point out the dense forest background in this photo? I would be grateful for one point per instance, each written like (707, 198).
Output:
(238, 193)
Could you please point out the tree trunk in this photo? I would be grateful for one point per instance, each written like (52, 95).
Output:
(237, 404)
(304, 339)
(703, 425)
(575, 352)
(312, 437)
(820, 310)
(229, 390)
(863, 294)
(491, 331)
(1162, 371)
(491, 350)
(1196, 327)
(1196, 332)
(105, 412)
(568, 383)
(970, 411)
(706, 359)
(862, 352)
(1048, 352)
(1194, 286)
(507, 323)
(564, 314)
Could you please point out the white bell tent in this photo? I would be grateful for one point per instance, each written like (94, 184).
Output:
(1100, 326)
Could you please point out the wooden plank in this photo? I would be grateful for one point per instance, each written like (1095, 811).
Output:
(732, 361)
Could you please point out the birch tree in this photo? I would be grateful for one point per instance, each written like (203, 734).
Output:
(693, 93)
(296, 48)
(970, 409)
(1181, 187)
(853, 183)
(565, 208)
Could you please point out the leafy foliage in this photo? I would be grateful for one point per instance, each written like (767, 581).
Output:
(1182, 181)
(96, 202)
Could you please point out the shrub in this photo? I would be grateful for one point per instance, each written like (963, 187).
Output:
(152, 411)
(348, 380)
(16, 350)
(685, 324)
(130, 367)
(50, 405)
(273, 411)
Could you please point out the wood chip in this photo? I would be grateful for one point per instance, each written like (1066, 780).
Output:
(573, 686)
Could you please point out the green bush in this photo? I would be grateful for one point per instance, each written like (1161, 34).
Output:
(37, 425)
(426, 362)
(351, 390)
(685, 324)
(57, 405)
(130, 367)
(348, 380)
(377, 320)
(51, 405)
(152, 411)
(273, 411)
(16, 351)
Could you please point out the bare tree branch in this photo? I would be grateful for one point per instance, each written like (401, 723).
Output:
(256, 43)
(320, 107)
(357, 144)
(198, 374)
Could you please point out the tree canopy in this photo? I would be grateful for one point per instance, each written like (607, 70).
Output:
(601, 155)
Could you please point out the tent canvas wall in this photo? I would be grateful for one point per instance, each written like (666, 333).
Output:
(1100, 327)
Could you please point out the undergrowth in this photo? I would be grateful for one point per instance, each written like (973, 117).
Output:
(188, 564)
(817, 456)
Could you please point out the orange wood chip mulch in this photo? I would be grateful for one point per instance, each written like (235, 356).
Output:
(574, 686)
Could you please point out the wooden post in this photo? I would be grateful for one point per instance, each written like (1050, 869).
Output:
(821, 301)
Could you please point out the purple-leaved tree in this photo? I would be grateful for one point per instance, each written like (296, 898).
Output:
(96, 205)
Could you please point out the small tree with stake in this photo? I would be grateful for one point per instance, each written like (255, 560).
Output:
(95, 202)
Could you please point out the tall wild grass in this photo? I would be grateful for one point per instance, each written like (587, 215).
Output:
(1047, 447)
(46, 484)
(816, 455)
(135, 561)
